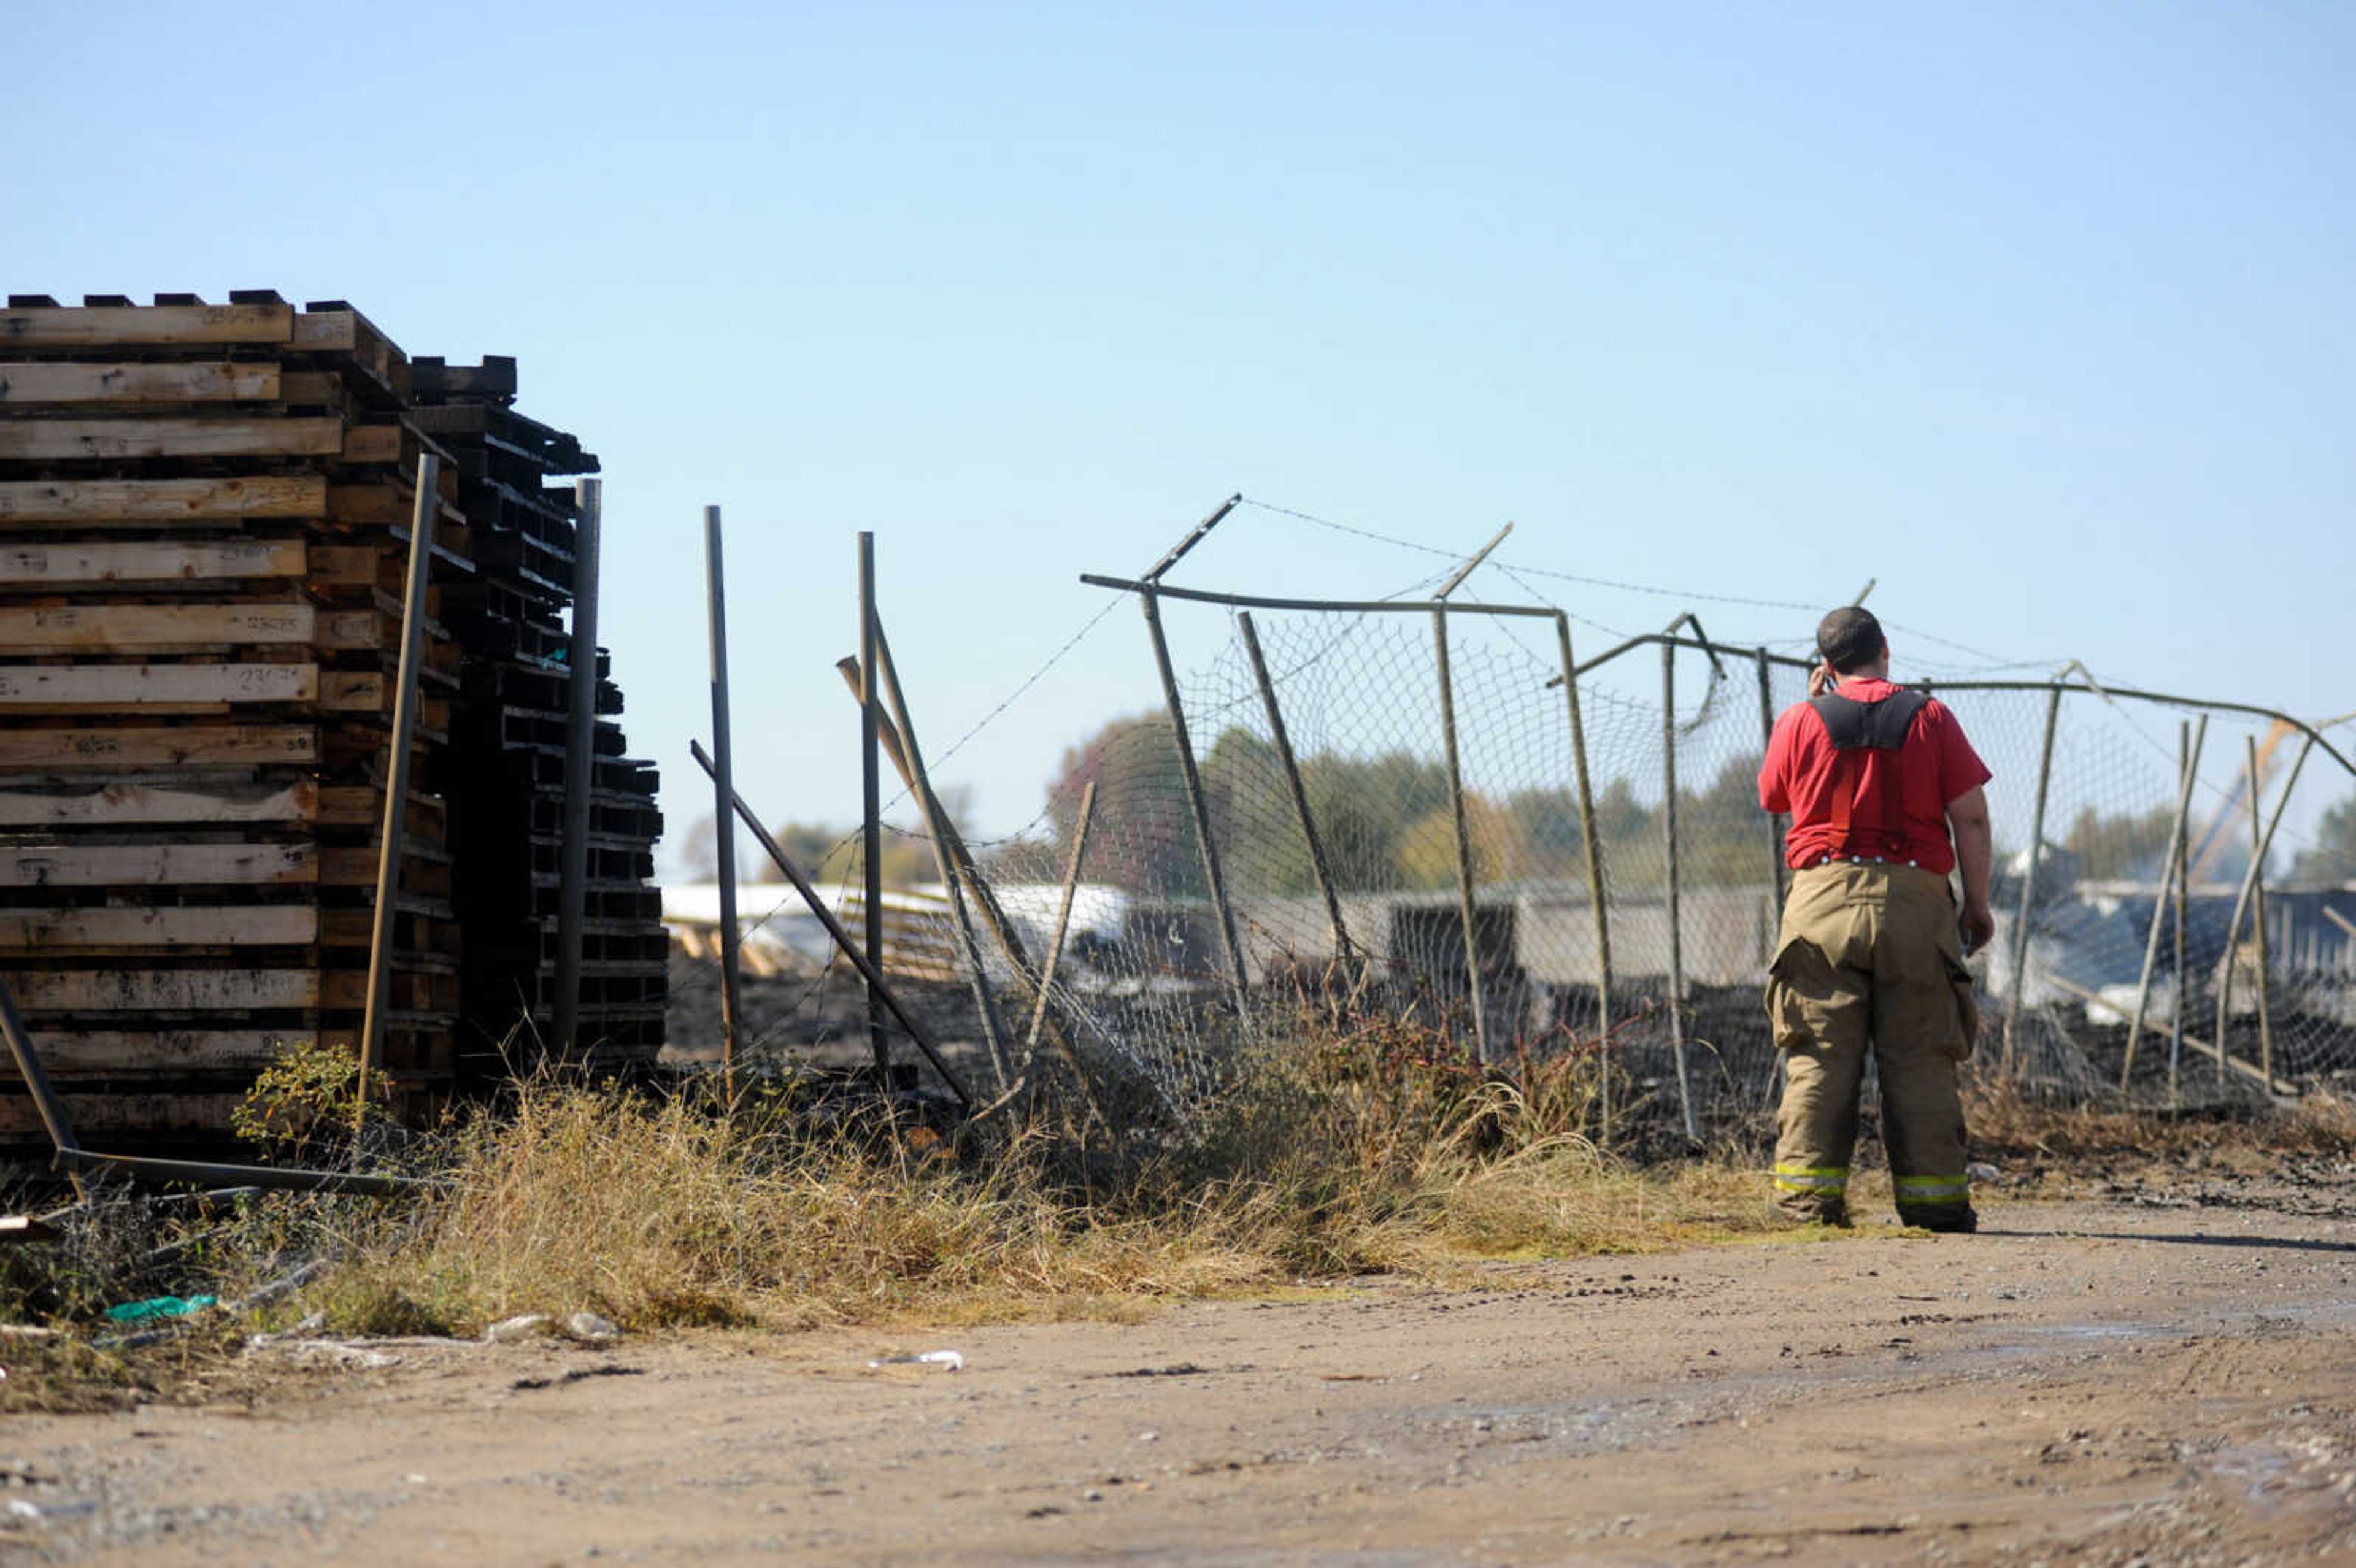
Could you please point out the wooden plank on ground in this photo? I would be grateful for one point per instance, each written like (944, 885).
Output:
(162, 500)
(115, 747)
(81, 561)
(210, 382)
(73, 865)
(165, 990)
(134, 803)
(85, 326)
(256, 925)
(249, 435)
(103, 687)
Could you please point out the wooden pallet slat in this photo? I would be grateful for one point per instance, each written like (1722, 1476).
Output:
(235, 925)
(68, 864)
(82, 562)
(202, 501)
(115, 747)
(184, 382)
(105, 688)
(256, 435)
(100, 326)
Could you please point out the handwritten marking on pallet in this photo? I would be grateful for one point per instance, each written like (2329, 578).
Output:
(264, 925)
(144, 562)
(90, 628)
(107, 686)
(87, 326)
(133, 804)
(26, 440)
(116, 747)
(138, 383)
(162, 500)
(70, 865)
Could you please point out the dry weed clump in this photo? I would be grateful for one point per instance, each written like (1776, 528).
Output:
(1371, 1148)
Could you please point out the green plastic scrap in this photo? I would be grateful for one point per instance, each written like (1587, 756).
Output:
(160, 1307)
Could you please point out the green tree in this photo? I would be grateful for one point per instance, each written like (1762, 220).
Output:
(2332, 857)
(2111, 848)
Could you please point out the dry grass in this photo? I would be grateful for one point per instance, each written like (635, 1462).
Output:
(1369, 1148)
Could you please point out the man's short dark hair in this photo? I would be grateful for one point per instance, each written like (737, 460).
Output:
(1850, 639)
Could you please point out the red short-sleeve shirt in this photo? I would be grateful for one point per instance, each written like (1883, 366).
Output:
(1936, 766)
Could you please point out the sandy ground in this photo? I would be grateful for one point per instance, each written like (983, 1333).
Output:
(2106, 1382)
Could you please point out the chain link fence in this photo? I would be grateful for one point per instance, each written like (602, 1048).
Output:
(1401, 808)
(1330, 796)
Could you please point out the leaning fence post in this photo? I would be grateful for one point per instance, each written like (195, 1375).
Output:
(1669, 840)
(384, 922)
(1317, 862)
(723, 781)
(1063, 918)
(1237, 980)
(2187, 762)
(948, 853)
(1466, 895)
(2028, 887)
(1593, 841)
(2181, 905)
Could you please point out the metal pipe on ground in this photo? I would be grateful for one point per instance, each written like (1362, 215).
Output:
(850, 950)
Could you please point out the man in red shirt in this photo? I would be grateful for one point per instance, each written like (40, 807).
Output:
(1875, 777)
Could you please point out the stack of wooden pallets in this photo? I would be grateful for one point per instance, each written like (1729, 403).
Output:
(508, 805)
(204, 518)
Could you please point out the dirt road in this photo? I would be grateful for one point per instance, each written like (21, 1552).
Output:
(2089, 1382)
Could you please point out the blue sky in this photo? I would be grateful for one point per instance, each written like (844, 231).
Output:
(2037, 314)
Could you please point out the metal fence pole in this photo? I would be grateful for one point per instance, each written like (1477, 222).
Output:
(2028, 887)
(2258, 917)
(1237, 980)
(870, 807)
(2188, 756)
(1592, 842)
(723, 781)
(1669, 841)
(2252, 890)
(1466, 887)
(384, 923)
(580, 761)
(2180, 904)
(1317, 861)
(1778, 872)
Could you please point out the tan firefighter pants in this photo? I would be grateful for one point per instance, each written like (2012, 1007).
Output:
(1872, 951)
